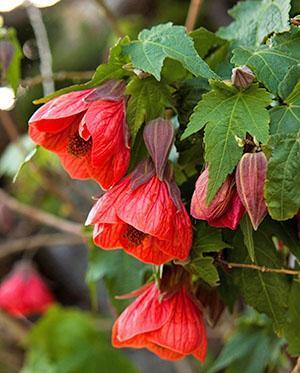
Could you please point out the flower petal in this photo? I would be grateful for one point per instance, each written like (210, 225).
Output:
(183, 332)
(145, 314)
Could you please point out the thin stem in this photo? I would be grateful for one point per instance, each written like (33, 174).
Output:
(39, 215)
(110, 17)
(75, 76)
(37, 241)
(193, 12)
(256, 267)
(40, 32)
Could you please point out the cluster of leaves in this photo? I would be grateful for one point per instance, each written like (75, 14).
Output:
(168, 70)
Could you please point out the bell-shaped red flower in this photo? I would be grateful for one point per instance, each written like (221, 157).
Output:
(88, 131)
(225, 211)
(143, 213)
(24, 293)
(168, 324)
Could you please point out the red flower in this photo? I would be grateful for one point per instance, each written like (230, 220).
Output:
(171, 326)
(24, 293)
(226, 209)
(144, 215)
(88, 131)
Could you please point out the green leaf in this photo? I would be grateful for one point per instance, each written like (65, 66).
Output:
(247, 230)
(148, 100)
(66, 341)
(286, 118)
(153, 46)
(266, 292)
(292, 327)
(208, 239)
(251, 347)
(228, 112)
(286, 232)
(204, 268)
(209, 46)
(282, 188)
(121, 273)
(288, 83)
(111, 70)
(255, 20)
(270, 63)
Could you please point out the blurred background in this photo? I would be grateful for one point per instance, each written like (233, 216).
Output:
(65, 40)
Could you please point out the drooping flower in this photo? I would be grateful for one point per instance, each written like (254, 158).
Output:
(226, 209)
(24, 293)
(168, 324)
(250, 179)
(143, 213)
(88, 131)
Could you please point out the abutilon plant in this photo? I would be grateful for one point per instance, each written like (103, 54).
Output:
(24, 292)
(88, 131)
(143, 213)
(166, 319)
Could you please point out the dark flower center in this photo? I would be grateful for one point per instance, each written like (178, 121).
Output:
(134, 235)
(78, 147)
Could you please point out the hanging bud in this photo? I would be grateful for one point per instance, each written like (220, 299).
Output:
(217, 207)
(295, 20)
(242, 77)
(159, 137)
(250, 178)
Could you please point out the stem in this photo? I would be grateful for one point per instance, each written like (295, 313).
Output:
(37, 241)
(39, 215)
(40, 32)
(191, 19)
(110, 17)
(285, 271)
(59, 76)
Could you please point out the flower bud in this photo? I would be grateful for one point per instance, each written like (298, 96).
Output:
(250, 178)
(217, 207)
(242, 77)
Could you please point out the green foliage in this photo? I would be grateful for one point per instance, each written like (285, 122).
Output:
(228, 113)
(207, 240)
(153, 46)
(283, 178)
(292, 324)
(247, 230)
(13, 73)
(111, 70)
(255, 20)
(148, 100)
(266, 292)
(271, 62)
(209, 46)
(67, 341)
(121, 273)
(251, 348)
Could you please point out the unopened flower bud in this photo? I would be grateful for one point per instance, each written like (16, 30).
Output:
(242, 77)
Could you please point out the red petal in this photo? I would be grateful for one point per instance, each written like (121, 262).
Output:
(149, 209)
(107, 236)
(49, 117)
(232, 216)
(104, 211)
(77, 168)
(105, 121)
(183, 333)
(145, 314)
(150, 251)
